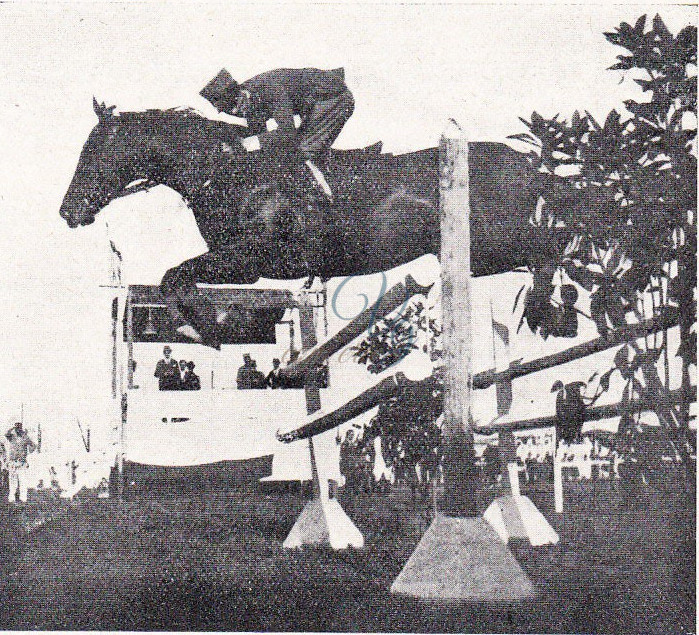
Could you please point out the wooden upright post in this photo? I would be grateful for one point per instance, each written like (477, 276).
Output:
(308, 340)
(129, 339)
(557, 477)
(115, 344)
(459, 457)
(460, 557)
(322, 521)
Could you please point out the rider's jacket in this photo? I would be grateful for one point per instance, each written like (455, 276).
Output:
(282, 93)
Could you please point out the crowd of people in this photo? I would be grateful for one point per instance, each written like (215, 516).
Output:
(356, 464)
(174, 375)
(179, 375)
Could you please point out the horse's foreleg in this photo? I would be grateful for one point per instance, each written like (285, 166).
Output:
(195, 316)
(186, 306)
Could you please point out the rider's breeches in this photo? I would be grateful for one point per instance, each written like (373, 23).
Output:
(18, 480)
(323, 124)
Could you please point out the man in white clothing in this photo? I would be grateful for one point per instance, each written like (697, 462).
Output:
(19, 446)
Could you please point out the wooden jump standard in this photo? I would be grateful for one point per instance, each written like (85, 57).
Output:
(323, 521)
(460, 557)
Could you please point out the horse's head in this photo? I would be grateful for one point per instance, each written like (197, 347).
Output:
(102, 173)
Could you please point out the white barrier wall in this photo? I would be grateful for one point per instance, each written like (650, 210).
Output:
(192, 428)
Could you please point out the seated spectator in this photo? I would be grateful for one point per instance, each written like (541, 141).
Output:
(167, 371)
(190, 380)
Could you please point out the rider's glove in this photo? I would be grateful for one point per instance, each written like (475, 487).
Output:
(251, 144)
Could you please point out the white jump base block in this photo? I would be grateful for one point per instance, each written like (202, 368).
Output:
(324, 522)
(463, 560)
(517, 517)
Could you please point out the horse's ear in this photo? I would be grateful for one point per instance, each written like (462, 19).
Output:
(103, 112)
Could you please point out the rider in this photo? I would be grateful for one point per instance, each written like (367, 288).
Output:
(320, 98)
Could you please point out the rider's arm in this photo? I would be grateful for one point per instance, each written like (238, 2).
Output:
(282, 111)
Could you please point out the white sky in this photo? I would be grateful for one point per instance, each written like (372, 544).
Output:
(409, 67)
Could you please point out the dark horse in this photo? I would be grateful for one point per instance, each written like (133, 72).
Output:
(257, 221)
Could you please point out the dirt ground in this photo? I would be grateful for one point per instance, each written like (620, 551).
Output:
(214, 561)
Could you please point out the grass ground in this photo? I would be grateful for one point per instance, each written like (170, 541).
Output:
(626, 564)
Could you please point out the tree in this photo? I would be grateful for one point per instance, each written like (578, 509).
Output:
(406, 423)
(617, 211)
(616, 215)
(407, 426)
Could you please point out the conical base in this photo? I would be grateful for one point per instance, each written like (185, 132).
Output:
(517, 517)
(324, 522)
(463, 559)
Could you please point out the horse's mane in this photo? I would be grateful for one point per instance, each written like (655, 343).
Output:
(184, 121)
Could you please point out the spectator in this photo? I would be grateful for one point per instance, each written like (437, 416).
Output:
(530, 467)
(167, 371)
(273, 379)
(547, 467)
(350, 462)
(259, 381)
(190, 380)
(20, 445)
(491, 461)
(245, 377)
(367, 457)
(133, 370)
(181, 374)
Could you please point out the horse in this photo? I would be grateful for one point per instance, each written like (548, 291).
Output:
(259, 220)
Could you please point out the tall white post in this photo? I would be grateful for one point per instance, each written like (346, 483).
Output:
(455, 256)
(460, 557)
